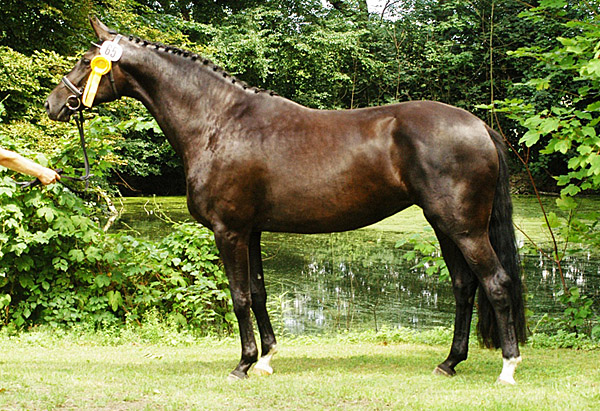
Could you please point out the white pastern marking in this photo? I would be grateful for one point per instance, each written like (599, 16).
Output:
(507, 376)
(263, 366)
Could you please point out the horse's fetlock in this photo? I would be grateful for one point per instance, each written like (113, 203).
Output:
(250, 356)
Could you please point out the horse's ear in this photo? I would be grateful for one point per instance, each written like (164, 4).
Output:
(102, 31)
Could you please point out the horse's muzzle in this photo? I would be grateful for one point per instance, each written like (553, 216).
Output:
(57, 112)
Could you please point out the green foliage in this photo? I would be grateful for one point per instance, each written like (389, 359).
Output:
(563, 122)
(48, 248)
(29, 25)
(424, 252)
(25, 81)
(185, 278)
(563, 339)
(313, 64)
(567, 126)
(578, 316)
(59, 268)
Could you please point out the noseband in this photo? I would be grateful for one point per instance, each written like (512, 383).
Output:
(75, 97)
(78, 94)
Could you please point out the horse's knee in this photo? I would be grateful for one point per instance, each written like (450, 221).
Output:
(464, 289)
(242, 301)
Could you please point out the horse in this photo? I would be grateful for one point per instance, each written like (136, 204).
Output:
(255, 161)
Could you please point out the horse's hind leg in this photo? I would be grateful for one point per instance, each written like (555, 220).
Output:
(465, 224)
(259, 307)
(497, 285)
(464, 286)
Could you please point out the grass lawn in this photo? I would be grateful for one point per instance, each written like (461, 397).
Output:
(323, 373)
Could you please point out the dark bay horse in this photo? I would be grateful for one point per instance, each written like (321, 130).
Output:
(257, 162)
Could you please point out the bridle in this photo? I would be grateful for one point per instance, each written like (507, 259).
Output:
(75, 104)
(78, 93)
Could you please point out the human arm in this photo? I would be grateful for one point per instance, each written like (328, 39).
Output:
(21, 164)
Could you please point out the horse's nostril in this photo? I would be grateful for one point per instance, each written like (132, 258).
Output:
(47, 105)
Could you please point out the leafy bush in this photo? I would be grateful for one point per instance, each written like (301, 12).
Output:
(60, 268)
(424, 251)
(181, 276)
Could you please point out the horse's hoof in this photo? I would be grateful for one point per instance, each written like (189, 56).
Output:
(503, 381)
(263, 366)
(262, 369)
(443, 371)
(507, 376)
(236, 376)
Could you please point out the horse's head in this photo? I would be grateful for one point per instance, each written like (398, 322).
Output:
(70, 95)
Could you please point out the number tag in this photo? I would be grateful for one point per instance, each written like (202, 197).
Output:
(111, 50)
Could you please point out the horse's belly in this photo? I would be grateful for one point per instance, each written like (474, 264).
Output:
(312, 214)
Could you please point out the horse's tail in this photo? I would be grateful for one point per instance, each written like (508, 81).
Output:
(502, 237)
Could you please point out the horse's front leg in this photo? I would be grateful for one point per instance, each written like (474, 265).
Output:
(259, 307)
(233, 247)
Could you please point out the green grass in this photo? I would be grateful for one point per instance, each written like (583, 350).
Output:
(43, 370)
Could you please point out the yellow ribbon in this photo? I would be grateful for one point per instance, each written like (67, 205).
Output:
(100, 66)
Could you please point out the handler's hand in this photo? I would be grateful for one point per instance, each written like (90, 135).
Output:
(48, 176)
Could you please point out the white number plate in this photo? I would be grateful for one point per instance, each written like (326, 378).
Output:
(111, 50)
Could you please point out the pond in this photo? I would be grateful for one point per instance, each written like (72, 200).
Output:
(358, 280)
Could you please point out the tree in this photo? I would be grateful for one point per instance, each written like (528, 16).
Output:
(29, 25)
(565, 120)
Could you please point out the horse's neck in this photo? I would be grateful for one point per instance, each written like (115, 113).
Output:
(186, 97)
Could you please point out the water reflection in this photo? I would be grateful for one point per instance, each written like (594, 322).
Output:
(353, 283)
(358, 280)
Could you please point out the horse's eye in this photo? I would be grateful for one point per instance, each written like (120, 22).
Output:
(85, 61)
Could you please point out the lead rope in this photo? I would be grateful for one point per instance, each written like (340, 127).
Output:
(86, 177)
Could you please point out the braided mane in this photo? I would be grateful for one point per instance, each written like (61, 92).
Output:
(196, 57)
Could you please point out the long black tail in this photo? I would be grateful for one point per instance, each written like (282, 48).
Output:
(502, 237)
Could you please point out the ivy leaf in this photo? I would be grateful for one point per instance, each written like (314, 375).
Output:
(77, 255)
(60, 263)
(570, 190)
(5, 300)
(562, 146)
(595, 106)
(583, 115)
(565, 202)
(588, 131)
(102, 280)
(549, 125)
(592, 68)
(540, 83)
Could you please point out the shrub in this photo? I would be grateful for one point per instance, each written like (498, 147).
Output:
(60, 268)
